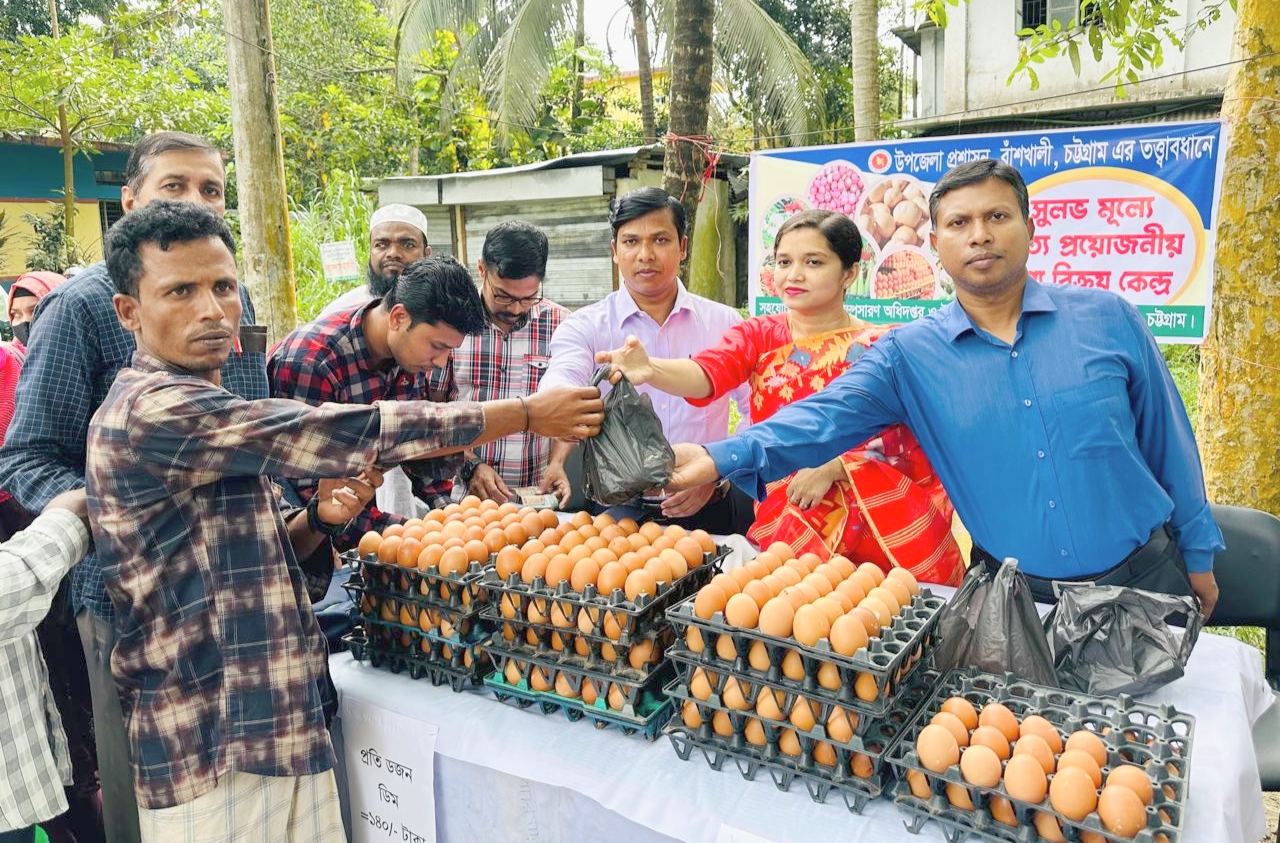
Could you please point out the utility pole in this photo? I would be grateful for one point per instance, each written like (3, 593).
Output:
(264, 206)
(68, 152)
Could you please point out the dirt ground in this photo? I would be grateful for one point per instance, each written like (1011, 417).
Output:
(1271, 801)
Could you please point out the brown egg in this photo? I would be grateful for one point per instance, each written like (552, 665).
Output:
(429, 557)
(585, 573)
(852, 590)
(1084, 761)
(753, 732)
(369, 543)
(758, 657)
(958, 796)
(782, 550)
(531, 547)
(960, 707)
(700, 684)
(841, 724)
(832, 574)
(829, 677)
(620, 546)
(477, 550)
(727, 584)
(640, 582)
(936, 748)
(389, 548)
(865, 687)
(884, 615)
(869, 620)
(495, 540)
(919, 784)
(829, 607)
(776, 617)
(550, 536)
(742, 611)
(689, 714)
(793, 666)
(899, 590)
(860, 765)
(393, 530)
(1047, 826)
(954, 725)
(820, 584)
(1034, 724)
(993, 738)
(872, 570)
(1122, 811)
(559, 568)
(980, 766)
(628, 525)
(810, 625)
(1133, 777)
(998, 715)
(564, 687)
(803, 715)
(612, 629)
(1035, 746)
(612, 575)
(787, 576)
(1090, 743)
(539, 679)
(769, 704)
(794, 596)
(616, 699)
(454, 561)
(1072, 793)
(825, 754)
(789, 742)
(758, 591)
(905, 577)
(642, 653)
(1025, 779)
(887, 597)
(721, 724)
(1002, 811)
(848, 635)
(741, 576)
(757, 569)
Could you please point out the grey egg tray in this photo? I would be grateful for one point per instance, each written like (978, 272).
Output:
(393, 656)
(460, 592)
(572, 642)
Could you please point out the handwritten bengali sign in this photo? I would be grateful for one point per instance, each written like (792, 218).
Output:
(390, 764)
(1127, 209)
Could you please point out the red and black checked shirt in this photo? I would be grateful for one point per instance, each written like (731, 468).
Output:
(329, 361)
(495, 365)
(221, 664)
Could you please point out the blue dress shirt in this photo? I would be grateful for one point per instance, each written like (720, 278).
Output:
(1064, 450)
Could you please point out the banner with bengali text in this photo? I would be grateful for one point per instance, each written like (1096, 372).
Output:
(1130, 209)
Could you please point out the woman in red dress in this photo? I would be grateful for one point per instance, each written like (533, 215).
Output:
(879, 502)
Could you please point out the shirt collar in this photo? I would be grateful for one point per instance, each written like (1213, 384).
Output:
(627, 306)
(360, 344)
(144, 362)
(1035, 299)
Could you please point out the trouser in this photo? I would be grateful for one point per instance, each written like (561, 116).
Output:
(119, 806)
(19, 835)
(1155, 566)
(724, 515)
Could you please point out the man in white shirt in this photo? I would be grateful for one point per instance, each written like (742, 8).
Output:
(653, 305)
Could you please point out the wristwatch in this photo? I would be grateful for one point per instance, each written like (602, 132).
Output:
(469, 468)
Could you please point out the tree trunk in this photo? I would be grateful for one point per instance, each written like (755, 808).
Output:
(1239, 389)
(579, 41)
(68, 158)
(691, 59)
(640, 33)
(264, 204)
(864, 17)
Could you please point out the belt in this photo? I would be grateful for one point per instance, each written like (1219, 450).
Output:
(1124, 572)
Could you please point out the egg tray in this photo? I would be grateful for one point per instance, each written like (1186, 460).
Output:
(631, 682)
(392, 656)
(415, 604)
(459, 592)
(634, 617)
(889, 657)
(901, 708)
(573, 642)
(1127, 725)
(644, 711)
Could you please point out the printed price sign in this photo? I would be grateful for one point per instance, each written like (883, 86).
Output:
(390, 762)
(339, 261)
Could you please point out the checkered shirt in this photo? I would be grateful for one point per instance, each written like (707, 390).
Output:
(77, 346)
(497, 365)
(221, 664)
(33, 747)
(329, 361)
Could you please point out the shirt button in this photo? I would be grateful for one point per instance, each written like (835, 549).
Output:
(1053, 504)
(734, 458)
(1013, 354)
(1026, 402)
(1040, 454)
(1064, 551)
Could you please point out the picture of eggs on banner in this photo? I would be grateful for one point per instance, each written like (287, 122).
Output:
(896, 212)
(905, 272)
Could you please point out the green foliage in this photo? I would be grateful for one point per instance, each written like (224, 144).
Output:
(48, 247)
(6, 233)
(31, 17)
(1135, 31)
(337, 211)
(1184, 365)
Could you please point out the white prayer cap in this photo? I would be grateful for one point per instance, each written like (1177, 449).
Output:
(397, 212)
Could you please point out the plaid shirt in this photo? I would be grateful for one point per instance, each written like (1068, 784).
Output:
(497, 365)
(76, 348)
(221, 664)
(329, 361)
(33, 747)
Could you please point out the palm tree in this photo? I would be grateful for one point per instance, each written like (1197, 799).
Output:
(864, 20)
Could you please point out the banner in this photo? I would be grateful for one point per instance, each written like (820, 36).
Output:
(1130, 209)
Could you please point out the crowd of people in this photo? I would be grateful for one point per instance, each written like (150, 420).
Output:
(193, 486)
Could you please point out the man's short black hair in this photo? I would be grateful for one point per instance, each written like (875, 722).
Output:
(641, 201)
(438, 289)
(162, 222)
(157, 144)
(976, 172)
(515, 249)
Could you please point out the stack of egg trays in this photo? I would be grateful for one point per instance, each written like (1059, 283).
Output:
(644, 709)
(874, 738)
(1127, 725)
(569, 642)
(635, 618)
(459, 592)
(888, 657)
(404, 649)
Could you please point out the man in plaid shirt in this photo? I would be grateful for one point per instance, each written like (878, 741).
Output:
(220, 663)
(382, 351)
(507, 358)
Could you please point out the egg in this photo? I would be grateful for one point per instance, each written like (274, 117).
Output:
(865, 687)
(998, 715)
(585, 573)
(640, 582)
(953, 723)
(794, 596)
(758, 656)
(1035, 724)
(960, 707)
(535, 565)
(958, 796)
(616, 699)
(789, 743)
(741, 611)
(689, 713)
(758, 592)
(803, 716)
(453, 561)
(776, 618)
(564, 686)
(861, 765)
(369, 543)
(855, 592)
(558, 570)
(919, 784)
(870, 622)
(825, 754)
(726, 583)
(979, 765)
(726, 648)
(1133, 777)
(1090, 743)
(658, 567)
(840, 724)
(993, 738)
(1047, 826)
(882, 612)
(753, 732)
(872, 570)
(905, 577)
(1072, 793)
(613, 575)
(1084, 761)
(847, 635)
(734, 694)
(1025, 779)
(389, 548)
(793, 666)
(508, 561)
(701, 684)
(809, 626)
(1002, 811)
(769, 704)
(1035, 746)
(936, 748)
(1122, 811)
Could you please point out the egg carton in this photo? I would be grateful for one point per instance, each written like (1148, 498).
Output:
(630, 682)
(412, 610)
(644, 711)
(561, 643)
(457, 591)
(632, 617)
(369, 644)
(903, 706)
(887, 658)
(1157, 738)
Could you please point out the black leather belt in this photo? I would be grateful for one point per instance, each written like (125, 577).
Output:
(1123, 573)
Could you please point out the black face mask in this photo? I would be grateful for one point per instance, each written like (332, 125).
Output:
(22, 333)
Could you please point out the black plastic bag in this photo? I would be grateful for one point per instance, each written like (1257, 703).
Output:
(630, 455)
(991, 624)
(1108, 639)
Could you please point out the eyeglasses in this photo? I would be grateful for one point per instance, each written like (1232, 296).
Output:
(503, 298)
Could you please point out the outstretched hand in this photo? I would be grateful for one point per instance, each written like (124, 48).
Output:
(341, 500)
(631, 360)
(565, 412)
(694, 467)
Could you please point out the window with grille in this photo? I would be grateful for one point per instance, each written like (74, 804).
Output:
(108, 212)
(1033, 13)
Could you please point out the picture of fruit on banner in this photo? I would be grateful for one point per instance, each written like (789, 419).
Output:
(782, 209)
(896, 212)
(838, 186)
(904, 274)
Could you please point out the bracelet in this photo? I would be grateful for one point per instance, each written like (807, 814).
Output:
(314, 522)
(525, 407)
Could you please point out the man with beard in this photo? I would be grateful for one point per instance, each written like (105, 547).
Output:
(507, 359)
(397, 238)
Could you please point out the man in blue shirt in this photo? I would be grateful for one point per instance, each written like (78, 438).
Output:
(1048, 413)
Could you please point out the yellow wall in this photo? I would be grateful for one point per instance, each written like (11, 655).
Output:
(13, 257)
(630, 84)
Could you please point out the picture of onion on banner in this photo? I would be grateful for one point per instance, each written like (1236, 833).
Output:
(896, 212)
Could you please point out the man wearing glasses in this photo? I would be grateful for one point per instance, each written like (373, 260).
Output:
(507, 359)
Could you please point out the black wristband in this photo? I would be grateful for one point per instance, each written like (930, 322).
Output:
(314, 522)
